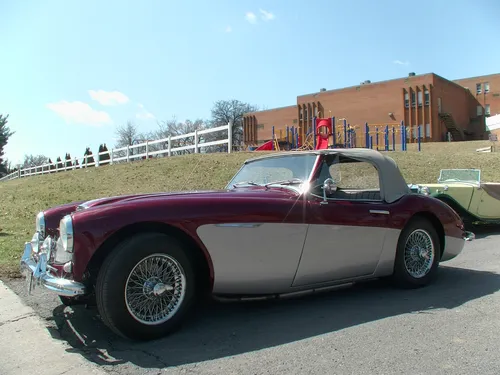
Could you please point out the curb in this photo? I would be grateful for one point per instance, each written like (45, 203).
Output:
(27, 347)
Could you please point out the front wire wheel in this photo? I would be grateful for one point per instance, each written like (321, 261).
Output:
(155, 289)
(147, 286)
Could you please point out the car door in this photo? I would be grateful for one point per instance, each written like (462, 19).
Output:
(345, 239)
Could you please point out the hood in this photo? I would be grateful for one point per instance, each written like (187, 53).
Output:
(243, 192)
(55, 214)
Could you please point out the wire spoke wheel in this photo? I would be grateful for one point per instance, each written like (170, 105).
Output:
(155, 289)
(419, 253)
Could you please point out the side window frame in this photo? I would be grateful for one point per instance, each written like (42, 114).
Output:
(319, 193)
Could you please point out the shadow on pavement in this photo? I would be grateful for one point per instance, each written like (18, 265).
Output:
(486, 230)
(221, 330)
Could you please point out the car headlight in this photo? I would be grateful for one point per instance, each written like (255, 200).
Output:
(425, 190)
(66, 233)
(40, 224)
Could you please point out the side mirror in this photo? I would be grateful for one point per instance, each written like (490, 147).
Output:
(329, 186)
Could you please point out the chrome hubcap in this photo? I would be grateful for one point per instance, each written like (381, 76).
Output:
(155, 289)
(419, 253)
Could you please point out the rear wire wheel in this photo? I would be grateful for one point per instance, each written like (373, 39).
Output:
(417, 255)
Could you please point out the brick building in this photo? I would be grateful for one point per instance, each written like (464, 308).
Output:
(439, 105)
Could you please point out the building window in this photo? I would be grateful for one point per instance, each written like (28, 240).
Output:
(487, 109)
(413, 98)
(479, 110)
(486, 87)
(419, 98)
(260, 126)
(428, 130)
(426, 97)
(478, 88)
(407, 101)
(301, 114)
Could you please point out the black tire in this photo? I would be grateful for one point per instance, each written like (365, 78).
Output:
(401, 276)
(112, 280)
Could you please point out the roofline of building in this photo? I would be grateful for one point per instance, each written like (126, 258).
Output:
(271, 109)
(452, 82)
(366, 84)
(477, 77)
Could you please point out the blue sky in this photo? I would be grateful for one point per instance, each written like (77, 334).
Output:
(72, 71)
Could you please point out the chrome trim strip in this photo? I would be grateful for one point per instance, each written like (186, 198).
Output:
(380, 212)
(239, 225)
(41, 275)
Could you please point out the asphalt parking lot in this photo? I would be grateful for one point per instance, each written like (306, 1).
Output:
(451, 327)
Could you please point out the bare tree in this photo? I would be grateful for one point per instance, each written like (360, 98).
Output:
(31, 161)
(225, 111)
(127, 135)
(174, 128)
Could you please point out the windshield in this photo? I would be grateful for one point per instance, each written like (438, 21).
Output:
(460, 175)
(296, 168)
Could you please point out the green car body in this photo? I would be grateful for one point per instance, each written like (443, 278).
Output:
(462, 189)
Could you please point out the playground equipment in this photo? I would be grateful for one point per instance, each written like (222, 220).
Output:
(342, 136)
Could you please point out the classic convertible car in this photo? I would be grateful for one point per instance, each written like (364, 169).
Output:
(287, 223)
(462, 189)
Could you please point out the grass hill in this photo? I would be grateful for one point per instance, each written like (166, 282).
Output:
(22, 199)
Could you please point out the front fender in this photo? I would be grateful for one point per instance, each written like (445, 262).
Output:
(93, 227)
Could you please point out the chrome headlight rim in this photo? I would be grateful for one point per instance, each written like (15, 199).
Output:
(40, 224)
(66, 233)
(425, 190)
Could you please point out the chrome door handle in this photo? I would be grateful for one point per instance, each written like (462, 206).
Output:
(379, 212)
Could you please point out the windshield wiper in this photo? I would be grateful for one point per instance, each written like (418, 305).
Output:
(285, 182)
(245, 183)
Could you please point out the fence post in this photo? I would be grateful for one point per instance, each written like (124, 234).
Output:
(387, 138)
(169, 145)
(419, 136)
(128, 153)
(147, 149)
(393, 139)
(111, 156)
(74, 164)
(367, 135)
(345, 133)
(196, 141)
(334, 132)
(314, 132)
(403, 136)
(229, 136)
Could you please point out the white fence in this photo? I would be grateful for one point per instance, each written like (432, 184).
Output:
(144, 151)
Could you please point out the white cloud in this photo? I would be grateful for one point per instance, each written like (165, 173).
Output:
(108, 97)
(80, 113)
(228, 29)
(267, 16)
(251, 17)
(399, 62)
(143, 114)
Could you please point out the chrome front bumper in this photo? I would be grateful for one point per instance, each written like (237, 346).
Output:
(468, 236)
(37, 273)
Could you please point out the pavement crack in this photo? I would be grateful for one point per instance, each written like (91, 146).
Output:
(29, 315)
